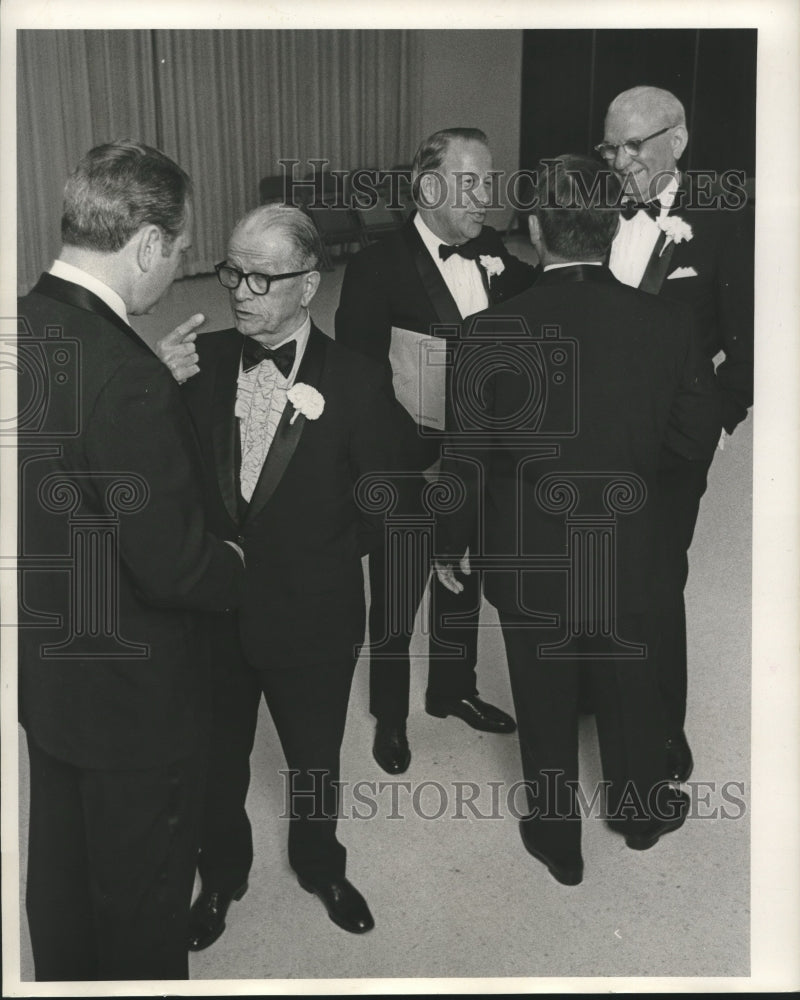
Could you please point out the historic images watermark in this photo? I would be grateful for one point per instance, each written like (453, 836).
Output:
(501, 800)
(324, 187)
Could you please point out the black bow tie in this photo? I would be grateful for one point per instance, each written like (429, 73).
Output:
(470, 250)
(253, 353)
(630, 208)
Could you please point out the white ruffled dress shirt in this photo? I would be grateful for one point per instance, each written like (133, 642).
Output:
(260, 402)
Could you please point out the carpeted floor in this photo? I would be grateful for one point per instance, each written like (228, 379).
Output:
(455, 894)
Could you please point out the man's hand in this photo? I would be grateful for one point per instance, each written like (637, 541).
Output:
(445, 570)
(177, 351)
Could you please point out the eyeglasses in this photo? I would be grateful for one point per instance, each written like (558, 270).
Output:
(631, 146)
(259, 284)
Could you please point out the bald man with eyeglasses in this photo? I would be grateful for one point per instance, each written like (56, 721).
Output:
(686, 242)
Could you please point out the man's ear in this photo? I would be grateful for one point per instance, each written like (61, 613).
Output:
(148, 246)
(312, 280)
(679, 140)
(430, 190)
(534, 229)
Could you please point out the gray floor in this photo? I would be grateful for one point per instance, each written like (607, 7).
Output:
(459, 897)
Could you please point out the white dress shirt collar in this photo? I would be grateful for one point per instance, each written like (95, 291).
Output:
(77, 276)
(574, 263)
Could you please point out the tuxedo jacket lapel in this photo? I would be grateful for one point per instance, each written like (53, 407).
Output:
(658, 265)
(287, 434)
(81, 298)
(444, 305)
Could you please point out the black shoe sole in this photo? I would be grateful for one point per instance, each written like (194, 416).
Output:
(345, 927)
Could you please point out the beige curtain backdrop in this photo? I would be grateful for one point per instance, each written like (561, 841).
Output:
(227, 105)
(75, 89)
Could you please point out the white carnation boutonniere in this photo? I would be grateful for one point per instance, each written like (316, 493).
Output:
(492, 265)
(306, 400)
(676, 230)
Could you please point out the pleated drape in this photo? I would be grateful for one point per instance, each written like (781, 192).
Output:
(227, 105)
(75, 89)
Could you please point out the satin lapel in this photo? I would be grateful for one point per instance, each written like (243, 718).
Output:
(225, 428)
(287, 435)
(444, 305)
(657, 266)
(81, 298)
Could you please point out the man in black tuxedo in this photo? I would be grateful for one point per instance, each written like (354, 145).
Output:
(582, 383)
(709, 266)
(444, 265)
(116, 553)
(288, 421)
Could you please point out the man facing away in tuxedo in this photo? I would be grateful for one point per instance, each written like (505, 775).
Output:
(288, 421)
(114, 688)
(583, 382)
(709, 266)
(444, 265)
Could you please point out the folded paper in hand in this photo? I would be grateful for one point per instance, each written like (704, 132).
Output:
(418, 375)
(683, 272)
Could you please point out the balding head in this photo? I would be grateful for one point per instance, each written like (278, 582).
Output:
(653, 115)
(651, 101)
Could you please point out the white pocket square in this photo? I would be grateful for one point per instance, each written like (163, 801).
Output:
(683, 272)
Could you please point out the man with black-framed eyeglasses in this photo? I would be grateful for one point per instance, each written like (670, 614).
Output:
(286, 439)
(674, 244)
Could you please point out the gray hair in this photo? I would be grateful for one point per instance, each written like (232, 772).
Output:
(300, 229)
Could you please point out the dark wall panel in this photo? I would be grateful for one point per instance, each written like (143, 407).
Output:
(724, 127)
(556, 80)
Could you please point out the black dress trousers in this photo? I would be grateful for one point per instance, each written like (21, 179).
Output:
(111, 862)
(399, 569)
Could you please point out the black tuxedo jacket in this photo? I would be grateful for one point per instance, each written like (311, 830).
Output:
(721, 293)
(128, 687)
(395, 282)
(303, 532)
(600, 377)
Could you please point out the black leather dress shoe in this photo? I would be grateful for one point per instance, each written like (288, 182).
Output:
(207, 916)
(475, 712)
(344, 903)
(567, 871)
(390, 748)
(649, 836)
(680, 762)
